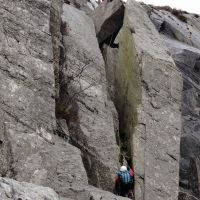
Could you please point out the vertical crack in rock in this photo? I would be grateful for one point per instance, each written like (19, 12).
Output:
(6, 159)
(147, 96)
(107, 29)
(55, 24)
(123, 74)
(83, 102)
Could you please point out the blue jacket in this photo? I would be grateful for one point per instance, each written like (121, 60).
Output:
(124, 177)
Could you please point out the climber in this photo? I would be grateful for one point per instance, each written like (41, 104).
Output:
(123, 182)
(131, 192)
(131, 171)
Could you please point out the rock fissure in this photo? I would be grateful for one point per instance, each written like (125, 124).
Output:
(75, 96)
(84, 90)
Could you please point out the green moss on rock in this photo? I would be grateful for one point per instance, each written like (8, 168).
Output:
(128, 89)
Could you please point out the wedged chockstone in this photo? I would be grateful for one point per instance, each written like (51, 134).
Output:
(11, 189)
(151, 85)
(84, 102)
(108, 19)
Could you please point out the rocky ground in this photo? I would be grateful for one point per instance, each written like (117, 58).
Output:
(86, 87)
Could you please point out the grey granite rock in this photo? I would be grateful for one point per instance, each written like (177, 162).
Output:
(44, 59)
(156, 137)
(186, 196)
(186, 58)
(30, 151)
(148, 100)
(108, 19)
(52, 162)
(91, 193)
(5, 151)
(186, 55)
(27, 76)
(11, 190)
(170, 25)
(84, 102)
(26, 71)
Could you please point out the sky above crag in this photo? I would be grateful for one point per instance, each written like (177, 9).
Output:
(192, 6)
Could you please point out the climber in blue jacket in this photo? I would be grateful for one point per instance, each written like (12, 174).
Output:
(123, 181)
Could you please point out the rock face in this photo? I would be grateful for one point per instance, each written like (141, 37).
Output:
(186, 196)
(181, 38)
(59, 127)
(10, 189)
(29, 151)
(27, 76)
(148, 100)
(31, 55)
(27, 88)
(108, 19)
(89, 192)
(168, 23)
(84, 100)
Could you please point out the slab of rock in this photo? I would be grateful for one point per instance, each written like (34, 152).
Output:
(186, 196)
(181, 40)
(170, 25)
(26, 72)
(11, 189)
(108, 19)
(186, 58)
(84, 102)
(193, 20)
(88, 6)
(55, 164)
(89, 192)
(111, 59)
(149, 96)
(27, 98)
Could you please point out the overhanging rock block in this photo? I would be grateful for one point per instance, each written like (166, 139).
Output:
(108, 19)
